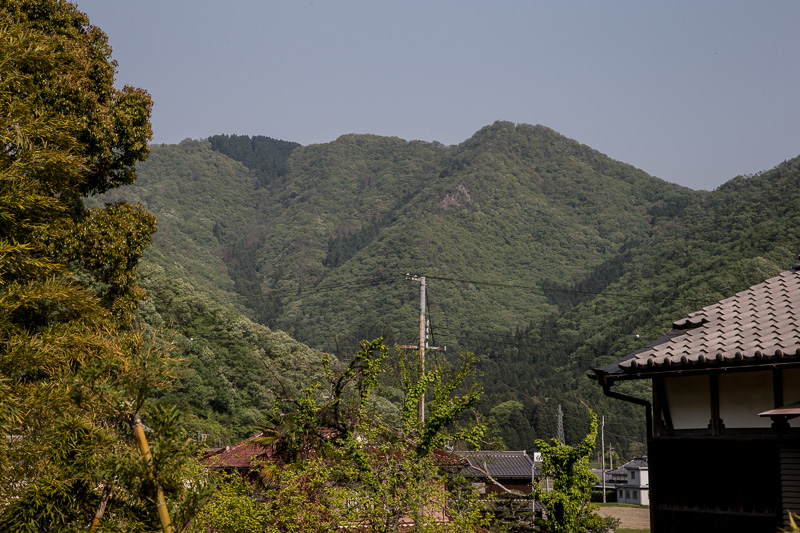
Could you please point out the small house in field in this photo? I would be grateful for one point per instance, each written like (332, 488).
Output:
(636, 486)
(722, 424)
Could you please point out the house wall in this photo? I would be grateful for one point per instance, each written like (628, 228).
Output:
(634, 495)
(791, 391)
(485, 488)
(728, 485)
(742, 396)
(688, 399)
(638, 477)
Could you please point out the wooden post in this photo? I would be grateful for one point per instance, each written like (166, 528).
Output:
(715, 424)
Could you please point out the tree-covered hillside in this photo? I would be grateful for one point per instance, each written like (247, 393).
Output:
(723, 242)
(513, 203)
(543, 256)
(234, 369)
(203, 200)
(265, 157)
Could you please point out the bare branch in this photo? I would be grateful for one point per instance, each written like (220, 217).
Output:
(485, 472)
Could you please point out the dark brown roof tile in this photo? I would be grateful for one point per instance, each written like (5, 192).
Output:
(499, 464)
(761, 323)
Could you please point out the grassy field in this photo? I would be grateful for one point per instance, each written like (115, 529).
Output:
(615, 504)
(633, 518)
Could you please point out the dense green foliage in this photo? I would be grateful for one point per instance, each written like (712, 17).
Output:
(265, 157)
(75, 371)
(337, 465)
(567, 505)
(233, 365)
(544, 257)
(202, 200)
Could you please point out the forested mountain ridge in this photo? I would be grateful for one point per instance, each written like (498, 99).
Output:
(544, 256)
(510, 203)
(725, 241)
(203, 199)
(265, 157)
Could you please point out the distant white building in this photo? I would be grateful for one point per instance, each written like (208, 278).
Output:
(636, 489)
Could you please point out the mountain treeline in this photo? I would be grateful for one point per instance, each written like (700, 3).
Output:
(265, 157)
(543, 256)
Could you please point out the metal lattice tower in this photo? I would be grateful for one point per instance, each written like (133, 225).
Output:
(560, 431)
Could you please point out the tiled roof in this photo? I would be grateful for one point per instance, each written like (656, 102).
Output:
(505, 464)
(246, 454)
(759, 325)
(637, 463)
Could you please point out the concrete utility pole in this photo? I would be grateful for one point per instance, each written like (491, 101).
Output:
(603, 453)
(610, 457)
(422, 338)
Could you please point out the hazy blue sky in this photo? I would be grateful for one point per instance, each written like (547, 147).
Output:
(693, 92)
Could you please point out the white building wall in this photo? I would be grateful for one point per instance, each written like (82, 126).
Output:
(638, 477)
(742, 396)
(644, 477)
(689, 400)
(634, 495)
(791, 391)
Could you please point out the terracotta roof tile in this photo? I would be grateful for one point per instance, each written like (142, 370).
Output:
(246, 454)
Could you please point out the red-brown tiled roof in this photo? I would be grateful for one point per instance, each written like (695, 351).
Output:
(756, 326)
(244, 455)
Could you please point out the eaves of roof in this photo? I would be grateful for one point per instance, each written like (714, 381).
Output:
(756, 329)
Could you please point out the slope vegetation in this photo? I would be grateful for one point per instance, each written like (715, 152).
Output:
(543, 256)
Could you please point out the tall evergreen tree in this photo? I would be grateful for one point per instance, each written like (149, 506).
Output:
(74, 369)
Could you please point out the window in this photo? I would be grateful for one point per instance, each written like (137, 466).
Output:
(635, 495)
(633, 474)
(627, 495)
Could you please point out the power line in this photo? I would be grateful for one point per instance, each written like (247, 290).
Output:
(382, 279)
(565, 291)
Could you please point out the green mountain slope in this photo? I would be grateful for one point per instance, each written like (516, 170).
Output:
(265, 157)
(202, 199)
(513, 203)
(725, 241)
(234, 368)
(544, 256)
